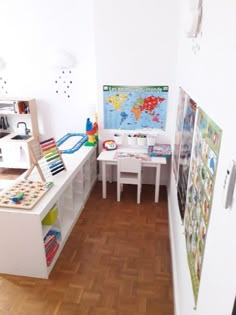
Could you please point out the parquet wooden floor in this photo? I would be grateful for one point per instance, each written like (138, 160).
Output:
(115, 262)
(10, 173)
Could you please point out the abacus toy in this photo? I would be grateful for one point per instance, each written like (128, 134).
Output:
(48, 161)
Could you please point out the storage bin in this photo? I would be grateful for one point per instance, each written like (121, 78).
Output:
(151, 140)
(118, 139)
(132, 140)
(142, 140)
(51, 217)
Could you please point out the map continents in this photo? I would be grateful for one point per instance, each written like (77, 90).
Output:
(135, 107)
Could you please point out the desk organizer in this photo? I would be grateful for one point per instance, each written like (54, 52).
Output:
(118, 139)
(132, 140)
(162, 150)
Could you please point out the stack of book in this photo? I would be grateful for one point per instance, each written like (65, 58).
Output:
(162, 150)
(51, 246)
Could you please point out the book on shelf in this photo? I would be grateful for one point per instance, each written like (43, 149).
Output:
(51, 253)
(50, 245)
(49, 238)
(56, 233)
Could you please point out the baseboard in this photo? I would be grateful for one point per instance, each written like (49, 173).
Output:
(173, 255)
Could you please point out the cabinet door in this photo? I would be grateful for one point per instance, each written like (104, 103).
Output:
(15, 155)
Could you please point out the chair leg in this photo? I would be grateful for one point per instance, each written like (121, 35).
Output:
(118, 191)
(138, 193)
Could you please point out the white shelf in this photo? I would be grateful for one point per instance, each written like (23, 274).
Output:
(21, 158)
(69, 194)
(46, 229)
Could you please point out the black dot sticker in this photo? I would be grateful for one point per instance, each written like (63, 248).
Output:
(63, 83)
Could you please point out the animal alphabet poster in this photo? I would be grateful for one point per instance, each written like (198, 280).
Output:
(205, 154)
(135, 107)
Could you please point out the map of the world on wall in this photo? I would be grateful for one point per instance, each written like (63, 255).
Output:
(135, 107)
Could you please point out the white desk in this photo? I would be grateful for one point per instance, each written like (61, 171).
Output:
(107, 158)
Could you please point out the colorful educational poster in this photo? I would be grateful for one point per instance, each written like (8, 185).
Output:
(135, 107)
(178, 132)
(205, 154)
(185, 152)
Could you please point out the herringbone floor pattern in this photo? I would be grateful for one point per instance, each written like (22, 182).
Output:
(115, 262)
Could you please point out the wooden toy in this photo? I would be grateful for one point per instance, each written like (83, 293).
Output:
(28, 192)
(51, 162)
(17, 197)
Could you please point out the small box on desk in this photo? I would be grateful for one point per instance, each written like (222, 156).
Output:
(160, 150)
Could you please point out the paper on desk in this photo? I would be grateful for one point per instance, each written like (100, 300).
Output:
(141, 156)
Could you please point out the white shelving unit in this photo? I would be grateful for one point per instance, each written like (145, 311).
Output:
(15, 111)
(21, 231)
(20, 110)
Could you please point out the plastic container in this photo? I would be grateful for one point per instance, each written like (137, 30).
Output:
(118, 139)
(151, 140)
(51, 217)
(132, 140)
(142, 140)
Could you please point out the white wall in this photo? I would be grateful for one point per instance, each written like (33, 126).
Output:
(32, 34)
(209, 78)
(136, 43)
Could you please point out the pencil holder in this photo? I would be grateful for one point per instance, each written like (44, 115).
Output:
(132, 140)
(142, 140)
(118, 138)
(151, 140)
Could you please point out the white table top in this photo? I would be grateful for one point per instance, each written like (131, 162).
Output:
(108, 156)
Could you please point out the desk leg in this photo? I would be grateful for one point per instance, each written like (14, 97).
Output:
(104, 180)
(157, 185)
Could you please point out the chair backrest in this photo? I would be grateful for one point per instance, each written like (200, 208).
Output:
(129, 165)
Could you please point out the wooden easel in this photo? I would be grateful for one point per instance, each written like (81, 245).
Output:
(34, 163)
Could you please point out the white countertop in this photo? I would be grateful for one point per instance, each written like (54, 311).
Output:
(72, 162)
(13, 134)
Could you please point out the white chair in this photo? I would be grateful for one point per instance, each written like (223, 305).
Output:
(129, 172)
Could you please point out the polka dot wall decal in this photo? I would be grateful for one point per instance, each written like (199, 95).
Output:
(63, 83)
(3, 86)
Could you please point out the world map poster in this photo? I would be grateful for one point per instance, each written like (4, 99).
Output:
(135, 107)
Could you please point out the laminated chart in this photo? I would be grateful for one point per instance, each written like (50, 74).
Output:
(203, 169)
